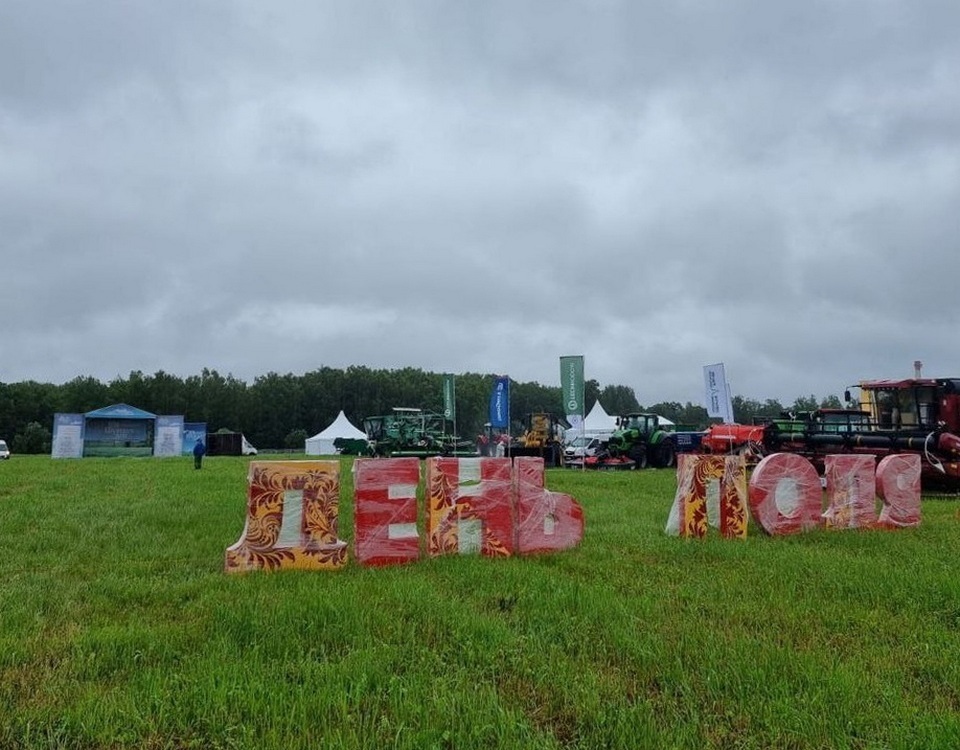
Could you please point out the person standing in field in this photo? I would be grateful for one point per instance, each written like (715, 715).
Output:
(198, 450)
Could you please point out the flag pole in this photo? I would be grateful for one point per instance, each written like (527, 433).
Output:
(583, 433)
(509, 441)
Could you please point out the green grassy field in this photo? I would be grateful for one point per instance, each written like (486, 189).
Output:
(119, 629)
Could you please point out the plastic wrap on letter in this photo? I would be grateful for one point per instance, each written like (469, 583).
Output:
(898, 485)
(470, 506)
(546, 521)
(711, 490)
(851, 491)
(385, 510)
(292, 516)
(785, 494)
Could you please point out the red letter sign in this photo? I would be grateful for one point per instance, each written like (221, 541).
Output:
(785, 494)
(851, 491)
(385, 510)
(898, 485)
(546, 521)
(470, 506)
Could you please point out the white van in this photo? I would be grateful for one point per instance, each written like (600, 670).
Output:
(4, 450)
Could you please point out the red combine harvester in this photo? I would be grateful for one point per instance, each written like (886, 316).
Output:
(914, 415)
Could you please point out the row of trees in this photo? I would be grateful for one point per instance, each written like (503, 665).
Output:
(280, 411)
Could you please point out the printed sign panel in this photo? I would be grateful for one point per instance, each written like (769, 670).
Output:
(168, 438)
(67, 436)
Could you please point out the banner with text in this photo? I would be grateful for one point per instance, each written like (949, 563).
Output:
(571, 385)
(450, 398)
(168, 436)
(717, 392)
(67, 436)
(500, 403)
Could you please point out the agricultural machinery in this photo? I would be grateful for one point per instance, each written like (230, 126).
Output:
(413, 432)
(746, 440)
(542, 437)
(915, 415)
(640, 441)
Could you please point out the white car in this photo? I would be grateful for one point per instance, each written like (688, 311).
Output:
(582, 445)
(4, 450)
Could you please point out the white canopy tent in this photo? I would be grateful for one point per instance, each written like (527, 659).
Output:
(600, 424)
(596, 423)
(321, 444)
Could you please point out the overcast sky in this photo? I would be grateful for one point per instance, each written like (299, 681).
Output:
(264, 187)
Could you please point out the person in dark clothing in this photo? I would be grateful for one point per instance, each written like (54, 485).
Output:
(198, 450)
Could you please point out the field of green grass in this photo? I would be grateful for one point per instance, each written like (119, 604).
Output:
(118, 628)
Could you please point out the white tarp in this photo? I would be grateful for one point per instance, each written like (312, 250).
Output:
(321, 444)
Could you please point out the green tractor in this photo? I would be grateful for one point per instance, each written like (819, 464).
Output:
(639, 441)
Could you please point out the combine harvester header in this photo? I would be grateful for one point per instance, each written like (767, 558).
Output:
(909, 416)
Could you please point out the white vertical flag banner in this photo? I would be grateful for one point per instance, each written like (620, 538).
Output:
(716, 395)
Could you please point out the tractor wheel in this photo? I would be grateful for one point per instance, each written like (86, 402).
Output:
(666, 455)
(638, 454)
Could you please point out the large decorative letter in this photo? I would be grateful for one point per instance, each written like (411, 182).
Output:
(385, 510)
(469, 506)
(546, 521)
(851, 491)
(711, 490)
(785, 494)
(898, 485)
(292, 512)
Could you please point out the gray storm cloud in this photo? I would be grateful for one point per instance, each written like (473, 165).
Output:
(482, 187)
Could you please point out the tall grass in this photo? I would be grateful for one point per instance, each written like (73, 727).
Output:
(119, 628)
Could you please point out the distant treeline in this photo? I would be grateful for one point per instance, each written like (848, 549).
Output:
(281, 411)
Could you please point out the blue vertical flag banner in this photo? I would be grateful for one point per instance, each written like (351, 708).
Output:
(571, 384)
(450, 398)
(500, 403)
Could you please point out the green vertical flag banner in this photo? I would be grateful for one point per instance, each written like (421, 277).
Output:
(571, 384)
(450, 398)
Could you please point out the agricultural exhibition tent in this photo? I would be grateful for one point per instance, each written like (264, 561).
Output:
(117, 430)
(321, 444)
(596, 424)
